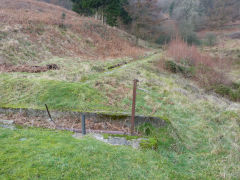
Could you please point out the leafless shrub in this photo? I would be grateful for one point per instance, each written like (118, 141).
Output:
(208, 71)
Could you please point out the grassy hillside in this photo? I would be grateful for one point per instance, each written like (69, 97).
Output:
(96, 68)
(39, 153)
(64, 3)
(44, 154)
(32, 31)
(205, 126)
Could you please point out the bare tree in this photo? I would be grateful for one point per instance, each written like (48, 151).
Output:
(146, 16)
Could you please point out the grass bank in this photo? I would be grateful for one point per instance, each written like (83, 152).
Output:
(45, 154)
(205, 127)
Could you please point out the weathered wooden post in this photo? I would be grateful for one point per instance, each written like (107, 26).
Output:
(133, 106)
(83, 125)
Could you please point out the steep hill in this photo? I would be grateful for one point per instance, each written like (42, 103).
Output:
(32, 31)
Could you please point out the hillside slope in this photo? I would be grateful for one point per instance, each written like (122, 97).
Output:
(204, 126)
(32, 31)
(207, 127)
(64, 3)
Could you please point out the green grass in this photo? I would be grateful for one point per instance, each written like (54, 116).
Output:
(36, 153)
(60, 91)
(233, 93)
(47, 154)
(202, 139)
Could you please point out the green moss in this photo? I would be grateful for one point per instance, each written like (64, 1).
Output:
(106, 136)
(57, 94)
(150, 143)
(146, 129)
(84, 78)
(178, 68)
(232, 92)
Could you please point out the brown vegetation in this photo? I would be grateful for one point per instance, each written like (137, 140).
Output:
(44, 28)
(208, 71)
(64, 3)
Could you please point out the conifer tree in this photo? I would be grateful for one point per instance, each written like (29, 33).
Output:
(108, 10)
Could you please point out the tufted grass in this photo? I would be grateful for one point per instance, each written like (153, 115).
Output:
(46, 154)
(205, 128)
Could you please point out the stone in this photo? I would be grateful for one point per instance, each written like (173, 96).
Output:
(119, 141)
(7, 122)
(12, 127)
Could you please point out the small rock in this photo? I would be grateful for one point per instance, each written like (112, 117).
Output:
(23, 139)
(119, 141)
(7, 126)
(7, 122)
